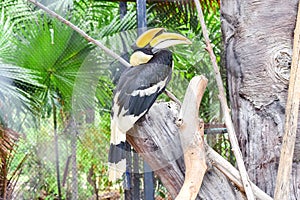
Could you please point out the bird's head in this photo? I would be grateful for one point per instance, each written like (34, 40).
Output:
(151, 42)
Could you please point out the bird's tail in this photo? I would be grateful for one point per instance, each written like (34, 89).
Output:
(116, 156)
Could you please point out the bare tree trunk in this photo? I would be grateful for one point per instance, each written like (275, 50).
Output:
(74, 159)
(258, 38)
(56, 148)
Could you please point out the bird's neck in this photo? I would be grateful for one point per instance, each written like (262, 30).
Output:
(163, 56)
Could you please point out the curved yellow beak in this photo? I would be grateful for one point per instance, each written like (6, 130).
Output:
(147, 36)
(158, 39)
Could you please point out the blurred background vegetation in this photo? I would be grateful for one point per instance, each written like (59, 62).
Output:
(49, 74)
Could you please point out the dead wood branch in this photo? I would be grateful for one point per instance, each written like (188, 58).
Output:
(162, 144)
(172, 97)
(191, 138)
(157, 139)
(291, 120)
(232, 173)
(229, 124)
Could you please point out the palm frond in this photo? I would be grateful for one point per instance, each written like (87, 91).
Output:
(16, 99)
(53, 51)
(58, 6)
(17, 10)
(5, 34)
(15, 82)
(118, 25)
(174, 15)
(8, 137)
(94, 15)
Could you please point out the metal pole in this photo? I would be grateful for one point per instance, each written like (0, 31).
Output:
(149, 182)
(141, 15)
(123, 8)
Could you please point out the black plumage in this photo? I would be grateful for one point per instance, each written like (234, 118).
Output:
(158, 69)
(138, 88)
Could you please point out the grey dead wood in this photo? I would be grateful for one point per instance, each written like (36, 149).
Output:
(231, 172)
(258, 41)
(191, 137)
(157, 139)
(282, 188)
(160, 142)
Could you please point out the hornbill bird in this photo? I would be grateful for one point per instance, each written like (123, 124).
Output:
(138, 88)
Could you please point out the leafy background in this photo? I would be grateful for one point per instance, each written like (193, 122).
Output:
(49, 74)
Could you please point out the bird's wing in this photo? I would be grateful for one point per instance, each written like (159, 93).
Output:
(135, 94)
(133, 97)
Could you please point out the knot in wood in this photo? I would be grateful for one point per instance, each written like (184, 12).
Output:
(282, 65)
(179, 122)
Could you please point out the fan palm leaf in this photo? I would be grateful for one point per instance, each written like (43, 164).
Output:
(54, 52)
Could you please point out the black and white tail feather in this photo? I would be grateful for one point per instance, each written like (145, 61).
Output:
(116, 158)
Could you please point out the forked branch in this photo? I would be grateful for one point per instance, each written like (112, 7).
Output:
(191, 136)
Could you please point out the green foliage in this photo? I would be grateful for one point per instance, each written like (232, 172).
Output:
(54, 52)
(194, 60)
(179, 16)
(92, 154)
(160, 190)
(94, 15)
(17, 11)
(11, 77)
(5, 34)
(38, 172)
(223, 147)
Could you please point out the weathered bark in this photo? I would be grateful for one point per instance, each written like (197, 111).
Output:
(283, 182)
(156, 138)
(258, 39)
(172, 144)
